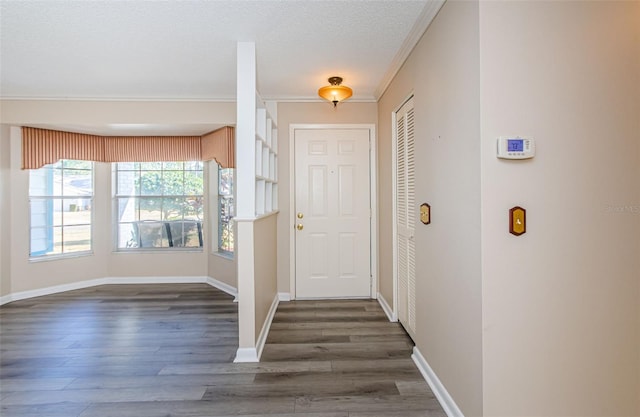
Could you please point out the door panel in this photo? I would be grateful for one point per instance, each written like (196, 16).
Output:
(333, 199)
(405, 217)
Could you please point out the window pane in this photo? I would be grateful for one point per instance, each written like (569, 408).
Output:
(56, 186)
(173, 183)
(193, 183)
(186, 234)
(226, 236)
(194, 208)
(61, 199)
(150, 165)
(151, 208)
(152, 235)
(172, 208)
(77, 182)
(79, 212)
(127, 236)
(151, 183)
(193, 166)
(127, 166)
(173, 165)
(76, 238)
(40, 182)
(76, 164)
(225, 181)
(128, 183)
(226, 210)
(57, 241)
(128, 209)
(57, 207)
(160, 205)
(41, 212)
(41, 240)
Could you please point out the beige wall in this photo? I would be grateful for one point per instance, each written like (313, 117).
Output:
(99, 113)
(560, 303)
(266, 280)
(5, 211)
(21, 275)
(223, 269)
(306, 113)
(545, 324)
(442, 72)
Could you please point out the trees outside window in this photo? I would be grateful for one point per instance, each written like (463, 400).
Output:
(226, 211)
(159, 205)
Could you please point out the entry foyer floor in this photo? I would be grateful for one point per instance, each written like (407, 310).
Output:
(167, 350)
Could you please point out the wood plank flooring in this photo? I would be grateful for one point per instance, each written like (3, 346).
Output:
(167, 350)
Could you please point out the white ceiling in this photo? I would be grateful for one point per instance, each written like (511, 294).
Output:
(186, 50)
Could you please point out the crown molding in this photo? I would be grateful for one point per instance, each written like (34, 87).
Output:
(121, 99)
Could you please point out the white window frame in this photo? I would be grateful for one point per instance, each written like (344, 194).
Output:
(50, 198)
(117, 222)
(214, 210)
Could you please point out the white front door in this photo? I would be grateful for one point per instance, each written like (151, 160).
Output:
(332, 209)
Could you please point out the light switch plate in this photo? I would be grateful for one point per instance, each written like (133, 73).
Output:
(425, 213)
(517, 221)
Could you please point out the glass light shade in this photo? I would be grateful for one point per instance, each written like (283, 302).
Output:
(335, 93)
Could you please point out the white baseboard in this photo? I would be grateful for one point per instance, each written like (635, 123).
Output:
(246, 355)
(253, 354)
(284, 296)
(446, 401)
(23, 295)
(223, 286)
(387, 309)
(264, 332)
(157, 280)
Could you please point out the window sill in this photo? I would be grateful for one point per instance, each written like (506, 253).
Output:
(47, 258)
(157, 251)
(224, 255)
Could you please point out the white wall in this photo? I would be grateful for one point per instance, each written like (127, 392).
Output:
(442, 72)
(560, 303)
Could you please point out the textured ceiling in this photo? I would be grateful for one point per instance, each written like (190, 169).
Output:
(187, 49)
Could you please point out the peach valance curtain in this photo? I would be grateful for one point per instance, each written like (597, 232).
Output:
(219, 145)
(44, 146)
(152, 149)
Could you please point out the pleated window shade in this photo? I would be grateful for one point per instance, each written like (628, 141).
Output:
(44, 146)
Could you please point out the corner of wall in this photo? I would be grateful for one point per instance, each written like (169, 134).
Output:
(5, 211)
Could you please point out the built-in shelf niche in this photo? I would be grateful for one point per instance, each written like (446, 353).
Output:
(266, 159)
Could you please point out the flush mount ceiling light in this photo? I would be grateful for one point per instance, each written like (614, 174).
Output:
(335, 92)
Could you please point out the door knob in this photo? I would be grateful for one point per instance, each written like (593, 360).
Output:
(299, 226)
(300, 215)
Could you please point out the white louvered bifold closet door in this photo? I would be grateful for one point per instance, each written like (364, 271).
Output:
(406, 216)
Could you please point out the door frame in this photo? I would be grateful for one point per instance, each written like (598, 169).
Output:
(373, 196)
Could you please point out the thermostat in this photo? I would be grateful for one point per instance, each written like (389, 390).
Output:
(515, 147)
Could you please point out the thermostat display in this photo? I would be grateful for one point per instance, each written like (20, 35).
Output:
(516, 147)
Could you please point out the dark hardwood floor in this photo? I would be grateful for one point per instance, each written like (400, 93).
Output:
(167, 350)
